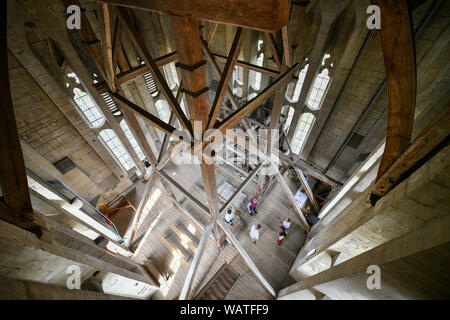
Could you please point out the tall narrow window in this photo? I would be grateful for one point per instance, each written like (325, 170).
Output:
(299, 84)
(319, 87)
(116, 147)
(88, 107)
(301, 133)
(287, 124)
(126, 130)
(260, 62)
(163, 110)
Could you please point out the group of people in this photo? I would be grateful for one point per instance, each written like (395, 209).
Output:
(255, 229)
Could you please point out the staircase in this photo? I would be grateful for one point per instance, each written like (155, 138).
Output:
(219, 285)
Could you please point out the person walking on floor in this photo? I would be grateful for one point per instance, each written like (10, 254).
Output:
(254, 233)
(251, 206)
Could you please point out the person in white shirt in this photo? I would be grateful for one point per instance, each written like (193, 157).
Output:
(229, 216)
(254, 233)
(285, 225)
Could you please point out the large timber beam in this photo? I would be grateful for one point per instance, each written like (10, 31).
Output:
(226, 75)
(159, 78)
(262, 15)
(270, 72)
(291, 197)
(247, 258)
(429, 139)
(431, 235)
(186, 290)
(397, 42)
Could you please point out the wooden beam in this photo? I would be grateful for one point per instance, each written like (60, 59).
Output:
(129, 235)
(241, 187)
(172, 119)
(267, 15)
(186, 290)
(16, 202)
(429, 139)
(306, 186)
(432, 234)
(287, 55)
(273, 47)
(212, 30)
(105, 18)
(226, 75)
(270, 72)
(397, 42)
(159, 78)
(154, 120)
(291, 197)
(187, 194)
(234, 103)
(247, 258)
(256, 102)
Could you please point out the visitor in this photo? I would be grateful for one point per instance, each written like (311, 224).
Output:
(280, 238)
(254, 233)
(229, 216)
(285, 225)
(251, 206)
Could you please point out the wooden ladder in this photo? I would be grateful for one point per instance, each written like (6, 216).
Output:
(219, 285)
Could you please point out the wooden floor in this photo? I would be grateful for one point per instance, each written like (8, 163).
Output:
(272, 260)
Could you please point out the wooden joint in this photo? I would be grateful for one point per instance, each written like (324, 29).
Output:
(190, 68)
(196, 94)
(88, 43)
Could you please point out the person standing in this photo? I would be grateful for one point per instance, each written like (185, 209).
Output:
(254, 233)
(251, 206)
(285, 225)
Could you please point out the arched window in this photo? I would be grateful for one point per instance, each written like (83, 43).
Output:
(290, 114)
(304, 126)
(170, 73)
(299, 84)
(126, 130)
(319, 87)
(163, 110)
(88, 107)
(260, 62)
(116, 147)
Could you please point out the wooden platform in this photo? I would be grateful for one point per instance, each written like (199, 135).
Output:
(272, 260)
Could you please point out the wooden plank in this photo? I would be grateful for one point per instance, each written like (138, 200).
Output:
(397, 42)
(250, 66)
(291, 197)
(265, 15)
(181, 227)
(226, 75)
(186, 290)
(159, 78)
(247, 258)
(430, 138)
